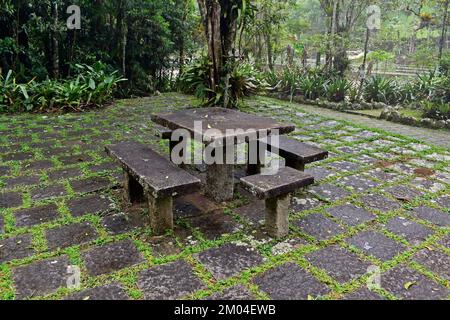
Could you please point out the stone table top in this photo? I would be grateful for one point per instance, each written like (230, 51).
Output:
(221, 120)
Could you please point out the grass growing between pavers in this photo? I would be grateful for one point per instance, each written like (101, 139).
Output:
(86, 134)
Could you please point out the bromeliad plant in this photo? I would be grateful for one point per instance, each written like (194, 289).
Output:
(337, 89)
(244, 81)
(380, 89)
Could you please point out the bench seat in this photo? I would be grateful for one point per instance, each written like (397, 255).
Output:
(276, 191)
(149, 175)
(162, 132)
(297, 154)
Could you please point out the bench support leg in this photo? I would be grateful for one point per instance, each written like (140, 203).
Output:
(295, 165)
(161, 214)
(133, 190)
(220, 182)
(277, 216)
(259, 155)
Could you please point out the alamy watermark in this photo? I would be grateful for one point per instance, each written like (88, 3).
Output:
(213, 146)
(373, 21)
(74, 280)
(74, 20)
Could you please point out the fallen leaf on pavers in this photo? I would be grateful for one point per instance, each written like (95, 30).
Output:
(310, 297)
(384, 164)
(408, 285)
(86, 298)
(423, 172)
(403, 199)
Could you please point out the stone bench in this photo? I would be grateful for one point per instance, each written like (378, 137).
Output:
(297, 154)
(162, 132)
(151, 176)
(276, 191)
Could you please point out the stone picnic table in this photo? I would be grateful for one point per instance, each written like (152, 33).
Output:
(225, 128)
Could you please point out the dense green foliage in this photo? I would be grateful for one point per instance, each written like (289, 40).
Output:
(295, 47)
(91, 87)
(244, 81)
(143, 39)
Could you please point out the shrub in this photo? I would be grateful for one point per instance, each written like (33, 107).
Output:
(313, 85)
(437, 111)
(93, 86)
(380, 89)
(337, 89)
(244, 81)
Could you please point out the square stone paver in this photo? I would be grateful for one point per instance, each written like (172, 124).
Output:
(184, 209)
(64, 174)
(376, 244)
(330, 192)
(71, 160)
(351, 215)
(214, 225)
(169, 282)
(319, 173)
(49, 192)
(10, 200)
(254, 212)
(290, 282)
(70, 235)
(4, 170)
(90, 185)
(410, 230)
(444, 201)
(445, 241)
(22, 181)
(344, 166)
(236, 293)
(404, 193)
(122, 223)
(229, 260)
(432, 215)
(94, 204)
(340, 264)
(384, 176)
(379, 202)
(38, 165)
(358, 183)
(41, 278)
(428, 185)
(111, 257)
(16, 248)
(435, 261)
(36, 215)
(363, 294)
(318, 226)
(304, 201)
(104, 293)
(409, 284)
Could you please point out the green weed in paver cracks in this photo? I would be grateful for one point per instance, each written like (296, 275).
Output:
(112, 119)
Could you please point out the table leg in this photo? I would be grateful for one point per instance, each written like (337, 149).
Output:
(220, 180)
(255, 158)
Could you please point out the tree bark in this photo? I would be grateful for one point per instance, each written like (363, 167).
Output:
(122, 35)
(219, 19)
(55, 42)
(444, 30)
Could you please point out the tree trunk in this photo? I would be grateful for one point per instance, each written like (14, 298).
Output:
(318, 59)
(121, 35)
(219, 19)
(269, 51)
(55, 42)
(444, 30)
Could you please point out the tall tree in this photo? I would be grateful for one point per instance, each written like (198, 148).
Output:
(220, 21)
